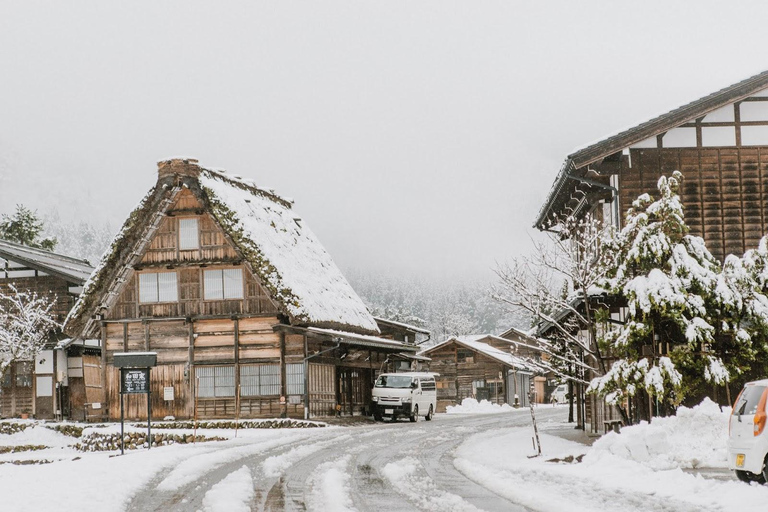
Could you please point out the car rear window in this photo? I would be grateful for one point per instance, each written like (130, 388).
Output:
(749, 400)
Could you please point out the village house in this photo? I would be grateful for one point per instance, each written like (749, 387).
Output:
(53, 384)
(529, 347)
(240, 301)
(720, 145)
(482, 367)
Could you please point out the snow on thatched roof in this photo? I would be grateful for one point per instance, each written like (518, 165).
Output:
(278, 247)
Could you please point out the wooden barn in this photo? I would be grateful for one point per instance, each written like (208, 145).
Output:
(46, 385)
(481, 367)
(240, 301)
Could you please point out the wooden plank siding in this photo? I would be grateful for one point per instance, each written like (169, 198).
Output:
(724, 191)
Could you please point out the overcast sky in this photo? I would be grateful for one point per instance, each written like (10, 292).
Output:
(416, 137)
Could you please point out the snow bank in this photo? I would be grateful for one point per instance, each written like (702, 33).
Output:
(233, 494)
(693, 438)
(472, 406)
(498, 461)
(330, 487)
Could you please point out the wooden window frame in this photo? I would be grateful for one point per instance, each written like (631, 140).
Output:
(178, 233)
(223, 298)
(158, 301)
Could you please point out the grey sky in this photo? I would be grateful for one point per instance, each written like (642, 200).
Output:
(414, 136)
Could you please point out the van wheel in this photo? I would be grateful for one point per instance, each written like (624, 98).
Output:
(428, 417)
(744, 476)
(377, 416)
(415, 414)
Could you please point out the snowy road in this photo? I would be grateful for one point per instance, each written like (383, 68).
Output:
(400, 466)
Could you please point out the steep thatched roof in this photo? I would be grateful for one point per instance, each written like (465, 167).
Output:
(277, 246)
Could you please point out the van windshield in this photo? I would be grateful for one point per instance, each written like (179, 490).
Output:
(749, 400)
(393, 381)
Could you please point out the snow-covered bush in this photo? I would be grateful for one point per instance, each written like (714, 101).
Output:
(25, 324)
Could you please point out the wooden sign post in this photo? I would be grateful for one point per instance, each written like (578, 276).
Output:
(135, 379)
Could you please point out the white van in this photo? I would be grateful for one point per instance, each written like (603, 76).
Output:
(560, 394)
(411, 394)
(747, 435)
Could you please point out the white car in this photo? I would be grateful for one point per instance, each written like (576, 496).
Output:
(409, 394)
(560, 394)
(747, 435)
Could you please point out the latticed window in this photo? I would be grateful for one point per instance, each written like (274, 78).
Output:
(158, 287)
(215, 381)
(260, 380)
(189, 237)
(223, 284)
(294, 374)
(24, 374)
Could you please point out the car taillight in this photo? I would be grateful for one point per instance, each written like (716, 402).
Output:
(760, 416)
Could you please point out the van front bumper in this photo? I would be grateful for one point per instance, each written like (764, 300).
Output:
(391, 409)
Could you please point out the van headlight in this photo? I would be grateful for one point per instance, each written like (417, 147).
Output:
(375, 399)
(406, 400)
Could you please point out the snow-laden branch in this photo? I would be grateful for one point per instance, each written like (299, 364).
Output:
(25, 325)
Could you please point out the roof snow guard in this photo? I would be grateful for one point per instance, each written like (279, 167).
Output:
(72, 270)
(577, 163)
(282, 253)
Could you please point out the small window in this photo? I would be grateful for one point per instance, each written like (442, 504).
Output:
(294, 374)
(223, 284)
(158, 287)
(189, 237)
(215, 381)
(260, 380)
(465, 356)
(24, 374)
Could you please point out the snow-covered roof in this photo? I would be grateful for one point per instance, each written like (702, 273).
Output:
(279, 248)
(285, 254)
(364, 340)
(573, 169)
(471, 342)
(402, 325)
(70, 269)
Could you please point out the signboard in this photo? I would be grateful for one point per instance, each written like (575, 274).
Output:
(135, 381)
(168, 393)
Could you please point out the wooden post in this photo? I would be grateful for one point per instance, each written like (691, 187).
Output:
(283, 379)
(104, 389)
(236, 324)
(191, 368)
(146, 336)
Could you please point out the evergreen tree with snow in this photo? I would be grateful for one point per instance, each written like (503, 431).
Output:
(25, 227)
(668, 281)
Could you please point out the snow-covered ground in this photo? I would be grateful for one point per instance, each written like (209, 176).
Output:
(458, 462)
(640, 469)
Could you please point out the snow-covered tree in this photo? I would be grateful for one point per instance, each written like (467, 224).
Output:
(24, 227)
(554, 286)
(677, 302)
(26, 322)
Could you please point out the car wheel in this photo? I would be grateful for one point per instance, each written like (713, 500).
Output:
(415, 414)
(428, 417)
(377, 417)
(744, 476)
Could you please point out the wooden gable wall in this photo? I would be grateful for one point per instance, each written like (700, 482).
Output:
(214, 252)
(723, 157)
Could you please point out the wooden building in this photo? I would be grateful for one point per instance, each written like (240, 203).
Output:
(42, 387)
(720, 145)
(481, 367)
(529, 347)
(239, 300)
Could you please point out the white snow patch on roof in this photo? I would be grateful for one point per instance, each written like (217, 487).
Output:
(300, 264)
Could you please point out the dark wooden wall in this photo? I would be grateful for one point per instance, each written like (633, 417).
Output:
(724, 191)
(46, 286)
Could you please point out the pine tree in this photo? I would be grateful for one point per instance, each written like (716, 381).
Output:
(669, 282)
(24, 227)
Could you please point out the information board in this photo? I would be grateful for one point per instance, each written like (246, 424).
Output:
(135, 381)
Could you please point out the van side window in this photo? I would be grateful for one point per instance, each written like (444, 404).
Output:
(428, 385)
